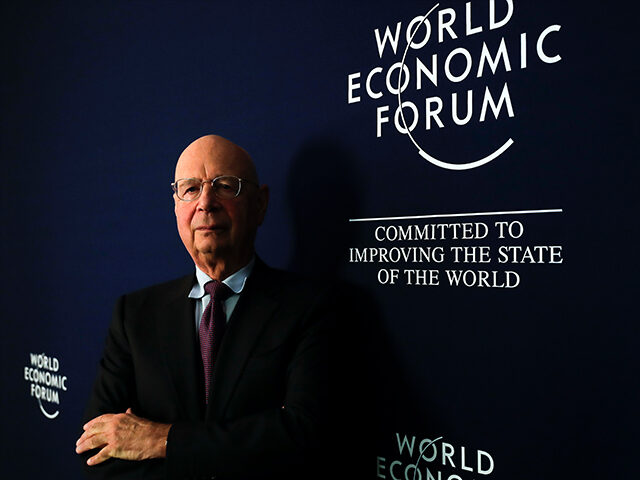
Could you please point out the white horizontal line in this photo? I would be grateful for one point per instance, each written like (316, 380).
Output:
(447, 215)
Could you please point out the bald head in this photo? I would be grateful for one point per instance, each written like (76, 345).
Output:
(217, 150)
(219, 233)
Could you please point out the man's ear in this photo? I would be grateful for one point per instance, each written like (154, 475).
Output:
(263, 202)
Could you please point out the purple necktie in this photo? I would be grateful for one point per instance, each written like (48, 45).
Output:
(212, 327)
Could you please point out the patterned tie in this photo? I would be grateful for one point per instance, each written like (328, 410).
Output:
(212, 327)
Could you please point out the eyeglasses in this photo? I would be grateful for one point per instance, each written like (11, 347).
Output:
(224, 187)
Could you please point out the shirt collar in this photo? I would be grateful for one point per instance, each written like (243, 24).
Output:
(234, 281)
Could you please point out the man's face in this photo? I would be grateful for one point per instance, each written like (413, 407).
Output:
(219, 233)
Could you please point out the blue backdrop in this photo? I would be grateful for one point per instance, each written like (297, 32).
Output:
(99, 99)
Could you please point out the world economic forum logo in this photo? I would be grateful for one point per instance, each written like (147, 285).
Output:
(46, 382)
(455, 64)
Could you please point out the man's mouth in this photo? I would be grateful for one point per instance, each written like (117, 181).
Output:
(209, 228)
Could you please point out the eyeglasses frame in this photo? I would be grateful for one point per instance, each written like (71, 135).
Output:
(240, 180)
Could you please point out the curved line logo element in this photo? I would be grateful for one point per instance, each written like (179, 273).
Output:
(421, 151)
(47, 414)
(424, 449)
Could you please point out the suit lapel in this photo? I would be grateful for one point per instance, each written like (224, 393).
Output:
(254, 309)
(177, 337)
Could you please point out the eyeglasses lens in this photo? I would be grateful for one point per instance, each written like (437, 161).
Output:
(226, 187)
(189, 189)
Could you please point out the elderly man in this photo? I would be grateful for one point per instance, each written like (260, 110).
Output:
(222, 373)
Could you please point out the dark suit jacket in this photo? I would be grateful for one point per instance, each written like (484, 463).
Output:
(270, 403)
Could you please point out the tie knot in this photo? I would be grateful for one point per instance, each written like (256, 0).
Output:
(217, 290)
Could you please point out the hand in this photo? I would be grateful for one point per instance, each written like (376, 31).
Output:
(125, 436)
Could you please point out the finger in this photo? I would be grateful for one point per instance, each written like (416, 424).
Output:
(89, 443)
(98, 420)
(83, 438)
(100, 457)
(95, 429)
(81, 442)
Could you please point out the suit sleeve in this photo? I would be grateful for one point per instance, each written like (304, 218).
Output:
(282, 439)
(114, 392)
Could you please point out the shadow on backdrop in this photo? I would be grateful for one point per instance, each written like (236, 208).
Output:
(373, 396)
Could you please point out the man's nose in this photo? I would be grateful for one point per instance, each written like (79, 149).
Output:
(208, 199)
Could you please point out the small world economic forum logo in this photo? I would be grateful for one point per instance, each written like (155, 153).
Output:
(46, 382)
